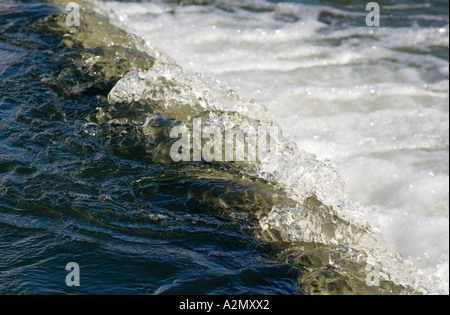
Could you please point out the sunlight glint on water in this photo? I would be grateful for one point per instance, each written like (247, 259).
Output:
(374, 101)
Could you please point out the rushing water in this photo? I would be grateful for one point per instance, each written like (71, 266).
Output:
(86, 174)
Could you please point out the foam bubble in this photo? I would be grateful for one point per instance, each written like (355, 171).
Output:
(374, 101)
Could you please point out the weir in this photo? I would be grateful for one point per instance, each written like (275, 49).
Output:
(148, 95)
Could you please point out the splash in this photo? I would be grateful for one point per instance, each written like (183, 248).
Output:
(331, 240)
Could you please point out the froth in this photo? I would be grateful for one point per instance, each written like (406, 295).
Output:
(373, 101)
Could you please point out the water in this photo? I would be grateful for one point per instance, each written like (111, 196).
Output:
(84, 169)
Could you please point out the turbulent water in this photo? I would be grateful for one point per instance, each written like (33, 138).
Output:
(86, 173)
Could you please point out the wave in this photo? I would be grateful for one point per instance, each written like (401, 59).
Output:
(299, 200)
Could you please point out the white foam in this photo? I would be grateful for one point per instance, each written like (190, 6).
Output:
(373, 101)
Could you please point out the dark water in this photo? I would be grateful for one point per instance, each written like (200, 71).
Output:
(66, 196)
(76, 189)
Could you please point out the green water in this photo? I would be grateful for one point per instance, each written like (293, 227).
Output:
(133, 226)
(76, 189)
